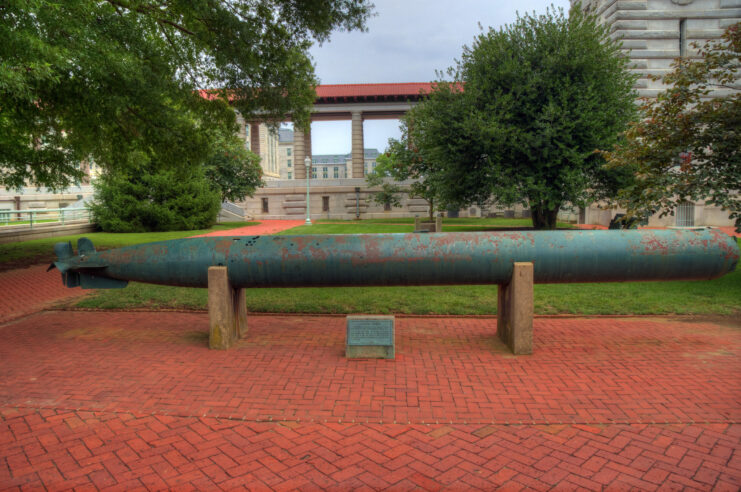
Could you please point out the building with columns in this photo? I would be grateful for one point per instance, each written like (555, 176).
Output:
(357, 103)
(261, 140)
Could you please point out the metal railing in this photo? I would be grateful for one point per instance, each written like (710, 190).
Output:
(44, 215)
(232, 208)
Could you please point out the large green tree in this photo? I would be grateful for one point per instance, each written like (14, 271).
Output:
(111, 79)
(526, 109)
(688, 146)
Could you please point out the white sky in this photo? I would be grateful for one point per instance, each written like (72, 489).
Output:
(407, 41)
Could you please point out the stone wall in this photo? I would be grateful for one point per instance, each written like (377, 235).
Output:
(704, 215)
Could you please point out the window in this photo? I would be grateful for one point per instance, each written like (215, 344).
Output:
(290, 175)
(365, 170)
(313, 173)
(682, 37)
(289, 163)
(387, 206)
(325, 204)
(336, 172)
(288, 152)
(264, 205)
(324, 173)
(374, 165)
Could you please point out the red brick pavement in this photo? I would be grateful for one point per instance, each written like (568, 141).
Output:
(136, 400)
(263, 228)
(29, 290)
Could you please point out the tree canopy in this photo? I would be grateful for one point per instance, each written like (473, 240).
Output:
(523, 115)
(106, 79)
(688, 147)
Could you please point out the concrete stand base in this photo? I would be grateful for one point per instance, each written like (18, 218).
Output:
(227, 310)
(515, 310)
(421, 225)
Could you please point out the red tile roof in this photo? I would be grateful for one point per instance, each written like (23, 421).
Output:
(371, 91)
(337, 93)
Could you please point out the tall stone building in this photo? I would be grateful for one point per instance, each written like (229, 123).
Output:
(654, 33)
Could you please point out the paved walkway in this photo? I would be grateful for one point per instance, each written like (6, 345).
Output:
(29, 290)
(136, 400)
(263, 228)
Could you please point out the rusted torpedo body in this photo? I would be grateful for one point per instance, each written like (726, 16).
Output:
(406, 259)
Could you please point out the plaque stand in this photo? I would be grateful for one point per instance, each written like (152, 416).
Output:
(227, 310)
(515, 310)
(370, 337)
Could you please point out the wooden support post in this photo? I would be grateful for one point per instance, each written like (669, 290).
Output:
(417, 221)
(227, 310)
(515, 310)
(439, 223)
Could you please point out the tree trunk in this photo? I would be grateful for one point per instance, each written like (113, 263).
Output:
(544, 218)
(432, 209)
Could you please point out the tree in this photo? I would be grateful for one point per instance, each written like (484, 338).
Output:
(688, 147)
(388, 195)
(110, 79)
(523, 115)
(234, 171)
(145, 196)
(405, 163)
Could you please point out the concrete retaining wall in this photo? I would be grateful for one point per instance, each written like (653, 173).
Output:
(14, 234)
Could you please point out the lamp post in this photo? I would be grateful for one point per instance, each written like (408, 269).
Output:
(307, 166)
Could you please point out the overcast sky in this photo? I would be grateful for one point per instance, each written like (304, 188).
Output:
(407, 41)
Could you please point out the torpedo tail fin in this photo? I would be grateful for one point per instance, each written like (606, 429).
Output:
(87, 275)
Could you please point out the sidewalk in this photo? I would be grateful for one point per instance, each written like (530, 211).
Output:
(265, 227)
(133, 400)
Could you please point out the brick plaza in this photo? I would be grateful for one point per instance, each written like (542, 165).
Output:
(136, 400)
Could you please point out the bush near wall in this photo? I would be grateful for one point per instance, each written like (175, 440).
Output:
(159, 200)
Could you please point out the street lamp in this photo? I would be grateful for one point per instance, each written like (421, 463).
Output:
(307, 166)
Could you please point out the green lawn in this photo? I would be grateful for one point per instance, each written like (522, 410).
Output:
(42, 250)
(721, 296)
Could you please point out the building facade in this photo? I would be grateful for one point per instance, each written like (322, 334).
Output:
(263, 141)
(653, 34)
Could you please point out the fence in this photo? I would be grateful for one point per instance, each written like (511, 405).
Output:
(44, 215)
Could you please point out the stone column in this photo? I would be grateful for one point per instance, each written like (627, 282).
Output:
(358, 153)
(515, 310)
(255, 138)
(299, 153)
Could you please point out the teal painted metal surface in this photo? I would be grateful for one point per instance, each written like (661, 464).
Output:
(408, 259)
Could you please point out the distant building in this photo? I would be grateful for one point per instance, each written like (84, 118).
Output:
(286, 165)
(323, 166)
